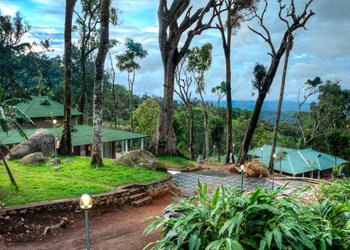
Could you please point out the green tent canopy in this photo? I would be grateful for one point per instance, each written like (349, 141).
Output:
(297, 161)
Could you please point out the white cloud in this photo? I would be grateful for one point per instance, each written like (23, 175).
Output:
(8, 9)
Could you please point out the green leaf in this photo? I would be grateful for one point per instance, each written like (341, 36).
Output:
(278, 237)
(268, 237)
(262, 245)
(215, 198)
(233, 245)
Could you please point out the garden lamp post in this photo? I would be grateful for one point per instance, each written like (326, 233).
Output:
(273, 171)
(233, 152)
(242, 173)
(54, 122)
(86, 204)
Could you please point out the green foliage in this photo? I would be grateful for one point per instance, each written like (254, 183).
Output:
(230, 219)
(338, 142)
(9, 113)
(41, 182)
(338, 190)
(217, 129)
(127, 60)
(146, 117)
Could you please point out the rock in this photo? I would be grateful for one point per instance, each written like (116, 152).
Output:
(55, 162)
(256, 168)
(41, 141)
(140, 158)
(68, 160)
(33, 159)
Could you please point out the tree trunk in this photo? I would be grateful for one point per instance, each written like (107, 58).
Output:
(164, 141)
(218, 152)
(83, 87)
(8, 171)
(251, 127)
(229, 101)
(206, 131)
(279, 108)
(132, 99)
(191, 128)
(66, 141)
(96, 156)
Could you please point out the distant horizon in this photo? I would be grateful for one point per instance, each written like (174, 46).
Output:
(269, 105)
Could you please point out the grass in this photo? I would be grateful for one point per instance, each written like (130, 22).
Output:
(176, 162)
(41, 182)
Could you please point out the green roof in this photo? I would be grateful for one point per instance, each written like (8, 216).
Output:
(43, 106)
(82, 135)
(297, 161)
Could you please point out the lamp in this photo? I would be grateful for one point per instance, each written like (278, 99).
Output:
(273, 171)
(242, 172)
(54, 122)
(86, 204)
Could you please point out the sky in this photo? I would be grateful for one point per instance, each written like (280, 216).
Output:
(321, 50)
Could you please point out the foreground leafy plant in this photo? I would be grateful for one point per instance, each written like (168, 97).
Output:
(230, 219)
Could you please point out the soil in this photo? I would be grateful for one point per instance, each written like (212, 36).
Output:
(110, 228)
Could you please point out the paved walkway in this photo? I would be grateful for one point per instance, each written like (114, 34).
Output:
(187, 182)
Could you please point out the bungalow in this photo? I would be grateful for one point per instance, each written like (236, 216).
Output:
(298, 162)
(48, 114)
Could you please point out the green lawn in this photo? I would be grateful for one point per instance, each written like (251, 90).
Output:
(176, 162)
(39, 183)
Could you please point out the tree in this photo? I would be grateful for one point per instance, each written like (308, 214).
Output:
(280, 100)
(281, 156)
(217, 128)
(220, 91)
(8, 121)
(145, 117)
(309, 89)
(66, 141)
(183, 90)
(96, 155)
(199, 61)
(12, 52)
(234, 11)
(174, 21)
(127, 62)
(87, 28)
(293, 22)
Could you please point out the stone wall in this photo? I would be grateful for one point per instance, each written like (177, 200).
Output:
(117, 197)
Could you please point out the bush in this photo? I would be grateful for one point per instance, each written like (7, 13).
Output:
(230, 219)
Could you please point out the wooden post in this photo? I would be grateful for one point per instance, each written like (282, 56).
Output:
(8, 171)
(319, 174)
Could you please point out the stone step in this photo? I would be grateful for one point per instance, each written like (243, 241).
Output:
(141, 202)
(134, 191)
(135, 197)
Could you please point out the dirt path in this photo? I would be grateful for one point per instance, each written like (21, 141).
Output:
(119, 228)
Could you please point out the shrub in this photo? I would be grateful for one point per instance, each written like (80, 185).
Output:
(230, 219)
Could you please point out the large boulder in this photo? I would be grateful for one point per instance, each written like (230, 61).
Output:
(41, 141)
(33, 159)
(140, 158)
(256, 168)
